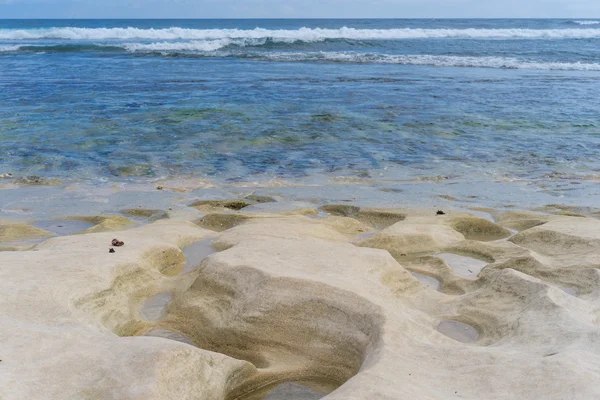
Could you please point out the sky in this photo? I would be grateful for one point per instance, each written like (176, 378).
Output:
(299, 9)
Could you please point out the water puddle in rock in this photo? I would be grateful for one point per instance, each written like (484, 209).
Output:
(481, 214)
(363, 236)
(166, 334)
(465, 267)
(427, 280)
(322, 214)
(196, 252)
(293, 391)
(458, 331)
(513, 232)
(568, 290)
(155, 306)
(63, 227)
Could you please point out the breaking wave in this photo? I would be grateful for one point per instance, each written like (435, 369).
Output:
(429, 60)
(193, 46)
(9, 48)
(282, 35)
(216, 48)
(587, 22)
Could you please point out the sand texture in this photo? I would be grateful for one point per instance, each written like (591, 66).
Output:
(340, 303)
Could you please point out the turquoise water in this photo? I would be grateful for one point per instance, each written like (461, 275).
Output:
(251, 100)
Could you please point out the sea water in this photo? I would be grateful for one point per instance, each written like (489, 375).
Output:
(251, 100)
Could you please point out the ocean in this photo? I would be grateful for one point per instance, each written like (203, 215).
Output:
(101, 101)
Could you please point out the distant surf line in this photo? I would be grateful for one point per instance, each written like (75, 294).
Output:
(301, 34)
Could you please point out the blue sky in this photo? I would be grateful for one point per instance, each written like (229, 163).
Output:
(298, 8)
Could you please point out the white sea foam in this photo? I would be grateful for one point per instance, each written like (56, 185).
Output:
(193, 46)
(302, 34)
(431, 60)
(4, 49)
(587, 22)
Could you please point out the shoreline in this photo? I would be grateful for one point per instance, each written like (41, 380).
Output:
(37, 202)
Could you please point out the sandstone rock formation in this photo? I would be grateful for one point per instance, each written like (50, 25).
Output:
(310, 300)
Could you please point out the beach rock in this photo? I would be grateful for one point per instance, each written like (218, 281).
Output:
(308, 211)
(260, 199)
(235, 205)
(104, 223)
(282, 322)
(342, 210)
(53, 334)
(17, 231)
(34, 180)
(286, 227)
(287, 298)
(562, 238)
(380, 218)
(221, 222)
(474, 228)
(411, 239)
(148, 214)
(522, 220)
(346, 226)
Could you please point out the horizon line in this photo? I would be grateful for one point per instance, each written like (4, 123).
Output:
(296, 18)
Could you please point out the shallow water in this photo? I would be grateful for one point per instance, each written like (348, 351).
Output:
(63, 227)
(295, 99)
(458, 331)
(465, 267)
(155, 306)
(293, 391)
(196, 252)
(427, 280)
(569, 291)
(166, 334)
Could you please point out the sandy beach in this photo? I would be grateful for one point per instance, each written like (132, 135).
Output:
(290, 297)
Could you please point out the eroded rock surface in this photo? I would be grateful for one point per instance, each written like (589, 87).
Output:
(289, 302)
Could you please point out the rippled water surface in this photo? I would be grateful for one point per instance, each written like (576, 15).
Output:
(251, 100)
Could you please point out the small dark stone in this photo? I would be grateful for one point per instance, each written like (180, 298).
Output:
(111, 250)
(117, 243)
(159, 188)
(440, 212)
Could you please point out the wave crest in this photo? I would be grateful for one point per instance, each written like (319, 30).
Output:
(587, 22)
(282, 35)
(5, 49)
(430, 60)
(193, 46)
